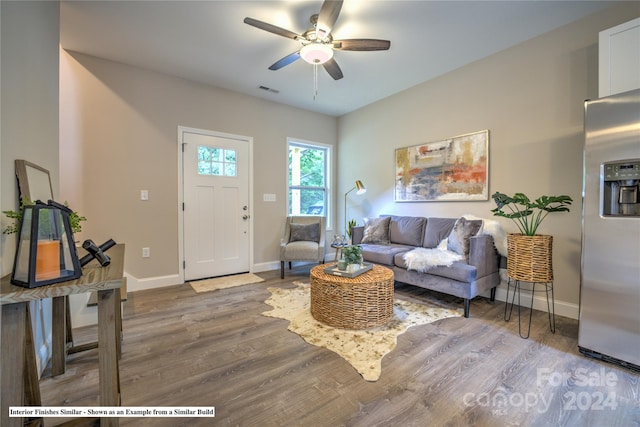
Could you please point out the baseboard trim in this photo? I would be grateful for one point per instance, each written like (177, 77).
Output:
(275, 265)
(562, 308)
(266, 266)
(43, 354)
(135, 284)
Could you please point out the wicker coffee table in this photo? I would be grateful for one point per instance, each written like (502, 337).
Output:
(366, 301)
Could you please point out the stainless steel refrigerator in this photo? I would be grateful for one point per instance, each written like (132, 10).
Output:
(609, 326)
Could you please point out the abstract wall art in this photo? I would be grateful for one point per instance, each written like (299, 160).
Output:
(454, 169)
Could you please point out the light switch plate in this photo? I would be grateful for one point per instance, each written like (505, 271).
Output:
(269, 197)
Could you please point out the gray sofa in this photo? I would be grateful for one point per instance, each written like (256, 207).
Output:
(473, 275)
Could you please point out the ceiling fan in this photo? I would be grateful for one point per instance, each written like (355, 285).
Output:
(317, 43)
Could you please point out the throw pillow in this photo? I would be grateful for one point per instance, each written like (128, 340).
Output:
(305, 232)
(406, 230)
(459, 236)
(437, 230)
(376, 231)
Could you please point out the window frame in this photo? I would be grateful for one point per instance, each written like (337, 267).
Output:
(296, 142)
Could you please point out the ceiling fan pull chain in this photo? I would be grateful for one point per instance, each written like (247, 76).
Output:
(315, 81)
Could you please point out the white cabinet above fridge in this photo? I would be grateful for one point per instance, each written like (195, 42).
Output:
(619, 59)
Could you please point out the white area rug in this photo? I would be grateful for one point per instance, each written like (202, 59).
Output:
(224, 282)
(363, 349)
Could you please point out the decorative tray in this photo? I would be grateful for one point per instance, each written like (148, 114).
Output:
(334, 271)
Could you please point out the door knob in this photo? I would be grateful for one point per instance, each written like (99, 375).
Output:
(244, 208)
(245, 217)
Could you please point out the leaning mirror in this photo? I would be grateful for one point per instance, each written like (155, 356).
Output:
(34, 182)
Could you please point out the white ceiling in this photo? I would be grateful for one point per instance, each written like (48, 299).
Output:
(207, 41)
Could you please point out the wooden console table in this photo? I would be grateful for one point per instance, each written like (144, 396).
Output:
(19, 383)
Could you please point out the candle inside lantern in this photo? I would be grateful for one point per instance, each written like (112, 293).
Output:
(48, 260)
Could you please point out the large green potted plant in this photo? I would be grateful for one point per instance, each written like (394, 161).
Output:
(529, 255)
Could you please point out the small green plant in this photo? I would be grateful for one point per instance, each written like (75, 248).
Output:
(352, 223)
(352, 254)
(16, 216)
(74, 219)
(527, 214)
(12, 228)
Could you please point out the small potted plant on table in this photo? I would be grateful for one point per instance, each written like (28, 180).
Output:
(352, 256)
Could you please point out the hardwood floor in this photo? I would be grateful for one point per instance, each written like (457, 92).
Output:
(216, 349)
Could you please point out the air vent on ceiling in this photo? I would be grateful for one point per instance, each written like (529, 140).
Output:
(268, 89)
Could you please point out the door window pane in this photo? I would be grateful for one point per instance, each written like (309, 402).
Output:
(216, 161)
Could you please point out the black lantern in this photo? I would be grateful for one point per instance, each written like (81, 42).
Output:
(46, 252)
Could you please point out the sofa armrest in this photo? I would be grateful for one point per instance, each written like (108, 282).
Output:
(483, 255)
(357, 233)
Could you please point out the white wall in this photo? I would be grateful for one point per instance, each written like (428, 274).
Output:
(530, 97)
(29, 98)
(29, 120)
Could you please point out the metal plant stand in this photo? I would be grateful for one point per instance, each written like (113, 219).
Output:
(517, 287)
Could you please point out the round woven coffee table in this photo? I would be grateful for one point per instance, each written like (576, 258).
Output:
(364, 302)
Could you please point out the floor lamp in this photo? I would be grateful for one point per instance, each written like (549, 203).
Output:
(361, 189)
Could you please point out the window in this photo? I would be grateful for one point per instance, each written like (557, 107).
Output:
(216, 161)
(307, 180)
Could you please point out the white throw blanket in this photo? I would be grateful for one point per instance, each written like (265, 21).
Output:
(494, 229)
(423, 259)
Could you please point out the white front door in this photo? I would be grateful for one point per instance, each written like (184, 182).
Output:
(216, 204)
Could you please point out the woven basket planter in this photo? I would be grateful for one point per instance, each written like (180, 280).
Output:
(529, 258)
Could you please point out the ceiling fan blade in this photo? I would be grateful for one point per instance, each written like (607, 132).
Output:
(271, 28)
(285, 61)
(328, 16)
(333, 69)
(361, 44)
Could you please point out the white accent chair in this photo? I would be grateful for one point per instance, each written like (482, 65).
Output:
(293, 247)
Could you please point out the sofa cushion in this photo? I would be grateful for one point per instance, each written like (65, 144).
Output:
(305, 232)
(383, 254)
(459, 270)
(376, 231)
(459, 236)
(301, 250)
(407, 230)
(436, 230)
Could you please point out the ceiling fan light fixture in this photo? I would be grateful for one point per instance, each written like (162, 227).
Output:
(316, 53)
(321, 33)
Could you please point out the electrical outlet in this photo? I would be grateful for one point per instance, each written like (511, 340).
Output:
(146, 252)
(144, 195)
